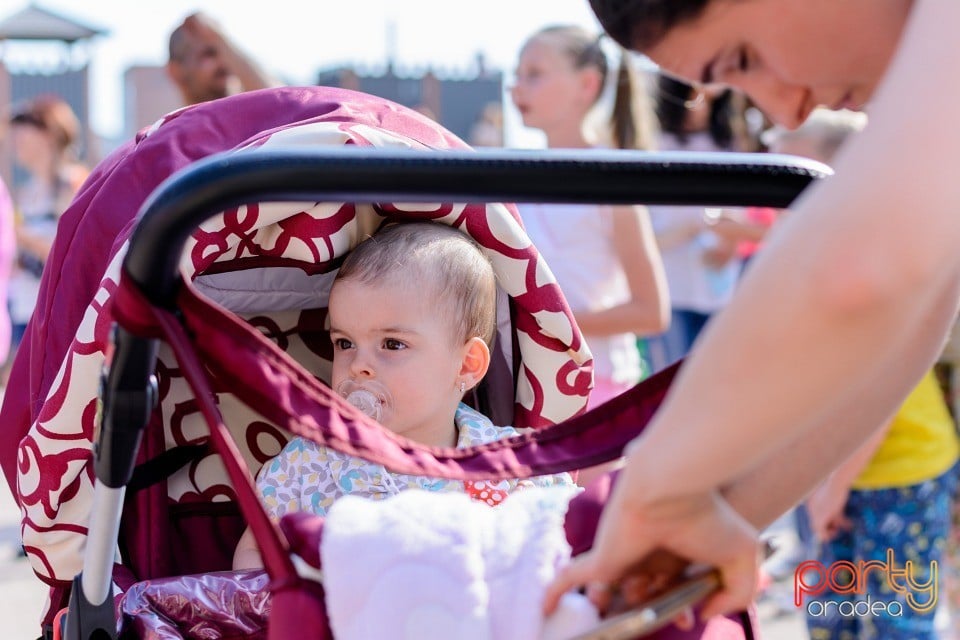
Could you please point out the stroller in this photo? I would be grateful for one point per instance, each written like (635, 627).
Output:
(252, 229)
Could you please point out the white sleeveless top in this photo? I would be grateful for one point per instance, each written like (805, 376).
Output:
(576, 240)
(693, 285)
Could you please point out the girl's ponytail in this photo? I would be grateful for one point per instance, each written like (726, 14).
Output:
(632, 119)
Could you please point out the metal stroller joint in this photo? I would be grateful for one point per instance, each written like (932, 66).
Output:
(127, 402)
(128, 396)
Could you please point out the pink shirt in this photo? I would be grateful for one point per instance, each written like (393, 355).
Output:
(765, 216)
(8, 247)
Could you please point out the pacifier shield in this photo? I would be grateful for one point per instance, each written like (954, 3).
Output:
(367, 402)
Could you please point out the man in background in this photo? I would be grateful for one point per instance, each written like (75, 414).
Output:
(205, 64)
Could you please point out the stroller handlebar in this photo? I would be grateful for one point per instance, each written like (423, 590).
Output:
(353, 174)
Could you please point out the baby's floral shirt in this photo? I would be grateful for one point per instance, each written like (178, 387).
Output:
(307, 476)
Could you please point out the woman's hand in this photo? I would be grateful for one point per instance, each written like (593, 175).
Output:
(700, 528)
(825, 506)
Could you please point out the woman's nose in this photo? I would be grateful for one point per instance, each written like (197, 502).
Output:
(787, 105)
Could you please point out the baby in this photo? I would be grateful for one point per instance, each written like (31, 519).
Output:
(412, 319)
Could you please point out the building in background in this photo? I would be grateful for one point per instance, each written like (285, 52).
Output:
(455, 99)
(148, 95)
(459, 99)
(44, 52)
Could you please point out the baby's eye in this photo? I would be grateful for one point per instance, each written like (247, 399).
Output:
(390, 344)
(342, 344)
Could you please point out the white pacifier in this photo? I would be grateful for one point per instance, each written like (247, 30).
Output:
(371, 398)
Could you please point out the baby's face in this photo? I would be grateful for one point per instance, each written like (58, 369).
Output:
(391, 336)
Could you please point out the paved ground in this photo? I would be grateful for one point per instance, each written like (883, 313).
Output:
(21, 594)
(780, 624)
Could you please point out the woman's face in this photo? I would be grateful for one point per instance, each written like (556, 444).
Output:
(549, 92)
(789, 56)
(33, 146)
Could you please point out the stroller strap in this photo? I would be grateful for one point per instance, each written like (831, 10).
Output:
(164, 465)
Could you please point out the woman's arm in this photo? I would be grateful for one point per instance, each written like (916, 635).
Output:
(679, 225)
(735, 226)
(648, 310)
(846, 290)
(764, 493)
(859, 286)
(32, 243)
(826, 503)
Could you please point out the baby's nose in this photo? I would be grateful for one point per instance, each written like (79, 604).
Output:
(361, 367)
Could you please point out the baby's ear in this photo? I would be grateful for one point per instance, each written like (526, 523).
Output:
(476, 361)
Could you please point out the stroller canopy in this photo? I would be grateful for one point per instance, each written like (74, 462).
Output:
(271, 264)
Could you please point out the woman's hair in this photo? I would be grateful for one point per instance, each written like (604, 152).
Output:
(443, 262)
(641, 24)
(632, 125)
(53, 115)
(673, 101)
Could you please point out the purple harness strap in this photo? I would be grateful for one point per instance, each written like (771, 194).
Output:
(240, 358)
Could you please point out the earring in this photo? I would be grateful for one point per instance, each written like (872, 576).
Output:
(463, 386)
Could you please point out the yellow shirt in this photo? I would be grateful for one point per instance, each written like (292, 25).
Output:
(921, 443)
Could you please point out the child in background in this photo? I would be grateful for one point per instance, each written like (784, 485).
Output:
(894, 494)
(604, 258)
(412, 320)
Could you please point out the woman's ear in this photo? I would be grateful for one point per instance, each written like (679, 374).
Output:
(591, 85)
(476, 361)
(175, 72)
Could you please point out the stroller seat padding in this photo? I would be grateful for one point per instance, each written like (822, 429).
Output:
(50, 408)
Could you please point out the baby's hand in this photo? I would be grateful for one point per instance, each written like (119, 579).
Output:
(247, 554)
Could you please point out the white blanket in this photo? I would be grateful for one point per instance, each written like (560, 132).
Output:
(423, 565)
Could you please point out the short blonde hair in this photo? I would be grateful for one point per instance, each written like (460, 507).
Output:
(451, 262)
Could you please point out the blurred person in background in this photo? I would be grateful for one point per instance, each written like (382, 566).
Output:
(701, 265)
(818, 139)
(8, 249)
(605, 258)
(44, 134)
(487, 131)
(205, 64)
(891, 499)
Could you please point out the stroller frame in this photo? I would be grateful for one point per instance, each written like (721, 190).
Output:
(191, 196)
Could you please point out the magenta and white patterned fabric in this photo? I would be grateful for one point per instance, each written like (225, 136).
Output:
(50, 407)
